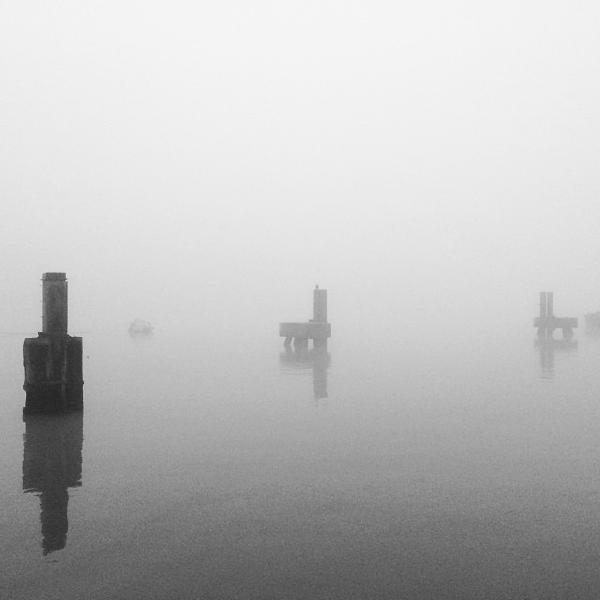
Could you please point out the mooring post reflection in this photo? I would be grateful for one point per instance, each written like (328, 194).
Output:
(52, 447)
(298, 356)
(547, 349)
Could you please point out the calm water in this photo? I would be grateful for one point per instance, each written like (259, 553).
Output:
(422, 469)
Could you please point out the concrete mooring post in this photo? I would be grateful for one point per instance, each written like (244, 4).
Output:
(53, 360)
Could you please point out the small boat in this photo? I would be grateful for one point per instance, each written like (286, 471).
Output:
(140, 327)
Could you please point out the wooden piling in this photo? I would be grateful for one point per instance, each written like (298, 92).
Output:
(53, 360)
(543, 313)
(319, 305)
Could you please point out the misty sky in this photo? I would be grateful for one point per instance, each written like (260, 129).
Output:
(214, 160)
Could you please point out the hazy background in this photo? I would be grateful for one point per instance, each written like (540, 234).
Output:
(203, 165)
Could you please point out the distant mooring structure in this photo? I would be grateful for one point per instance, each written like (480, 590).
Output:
(317, 329)
(53, 360)
(546, 323)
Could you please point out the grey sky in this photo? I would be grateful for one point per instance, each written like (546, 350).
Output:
(219, 158)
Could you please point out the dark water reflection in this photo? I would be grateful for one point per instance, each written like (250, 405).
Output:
(52, 447)
(316, 359)
(547, 350)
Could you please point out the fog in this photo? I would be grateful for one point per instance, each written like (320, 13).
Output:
(204, 165)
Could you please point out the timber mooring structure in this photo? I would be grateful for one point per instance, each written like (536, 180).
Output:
(546, 323)
(53, 360)
(317, 329)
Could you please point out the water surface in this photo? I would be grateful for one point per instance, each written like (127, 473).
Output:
(429, 468)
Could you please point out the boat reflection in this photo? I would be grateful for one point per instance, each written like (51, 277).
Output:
(52, 447)
(316, 359)
(548, 348)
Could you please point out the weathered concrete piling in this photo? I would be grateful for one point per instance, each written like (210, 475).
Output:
(317, 329)
(546, 323)
(53, 360)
